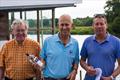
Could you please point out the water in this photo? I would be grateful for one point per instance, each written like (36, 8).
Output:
(79, 38)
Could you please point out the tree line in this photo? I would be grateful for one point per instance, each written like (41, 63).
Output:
(78, 22)
(112, 12)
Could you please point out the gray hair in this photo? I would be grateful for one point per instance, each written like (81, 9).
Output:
(19, 22)
(66, 15)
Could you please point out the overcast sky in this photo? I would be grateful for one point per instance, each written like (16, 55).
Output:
(86, 8)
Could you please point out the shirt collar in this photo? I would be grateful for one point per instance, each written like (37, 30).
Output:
(20, 44)
(58, 39)
(107, 37)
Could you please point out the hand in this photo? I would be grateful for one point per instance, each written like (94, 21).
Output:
(106, 78)
(37, 67)
(91, 71)
(72, 75)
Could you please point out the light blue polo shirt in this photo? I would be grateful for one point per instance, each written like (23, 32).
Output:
(59, 58)
(101, 55)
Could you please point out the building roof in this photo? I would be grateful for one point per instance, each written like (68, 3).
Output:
(35, 4)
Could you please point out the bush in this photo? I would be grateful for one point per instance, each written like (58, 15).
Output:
(82, 30)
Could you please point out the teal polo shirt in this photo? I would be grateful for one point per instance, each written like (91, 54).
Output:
(59, 58)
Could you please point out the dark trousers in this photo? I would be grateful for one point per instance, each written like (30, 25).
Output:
(6, 78)
(55, 79)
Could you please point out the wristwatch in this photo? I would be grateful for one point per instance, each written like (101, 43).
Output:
(112, 77)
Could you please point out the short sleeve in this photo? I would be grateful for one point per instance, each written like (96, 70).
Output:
(83, 52)
(43, 51)
(3, 51)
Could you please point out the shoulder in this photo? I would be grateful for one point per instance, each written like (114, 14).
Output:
(74, 40)
(114, 38)
(10, 42)
(51, 38)
(89, 38)
(31, 41)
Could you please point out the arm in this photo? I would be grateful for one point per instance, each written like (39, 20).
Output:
(72, 75)
(89, 69)
(38, 70)
(2, 51)
(115, 73)
(117, 70)
(75, 63)
(83, 63)
(1, 73)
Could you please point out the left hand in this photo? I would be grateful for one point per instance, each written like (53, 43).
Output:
(72, 75)
(106, 78)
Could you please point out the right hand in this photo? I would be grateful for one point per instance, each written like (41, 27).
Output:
(91, 71)
(37, 67)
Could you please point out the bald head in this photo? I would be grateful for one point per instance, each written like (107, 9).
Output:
(65, 18)
(65, 25)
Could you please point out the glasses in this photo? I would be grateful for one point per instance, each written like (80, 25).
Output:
(99, 16)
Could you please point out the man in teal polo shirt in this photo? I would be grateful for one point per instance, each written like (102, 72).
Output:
(61, 53)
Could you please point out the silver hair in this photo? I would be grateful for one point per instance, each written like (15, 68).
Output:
(19, 22)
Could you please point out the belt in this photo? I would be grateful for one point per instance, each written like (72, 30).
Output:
(49, 78)
(6, 78)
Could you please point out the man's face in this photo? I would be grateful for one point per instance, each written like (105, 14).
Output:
(65, 26)
(100, 26)
(20, 32)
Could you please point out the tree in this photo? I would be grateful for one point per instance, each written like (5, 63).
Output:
(87, 21)
(46, 22)
(116, 26)
(31, 23)
(112, 10)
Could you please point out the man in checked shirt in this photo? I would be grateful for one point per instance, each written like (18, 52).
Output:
(14, 64)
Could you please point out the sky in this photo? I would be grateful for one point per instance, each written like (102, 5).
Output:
(84, 9)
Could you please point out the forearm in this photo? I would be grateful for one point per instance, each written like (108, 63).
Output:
(38, 75)
(75, 68)
(116, 72)
(73, 73)
(83, 64)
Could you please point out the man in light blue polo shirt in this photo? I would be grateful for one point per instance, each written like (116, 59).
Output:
(100, 51)
(61, 53)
